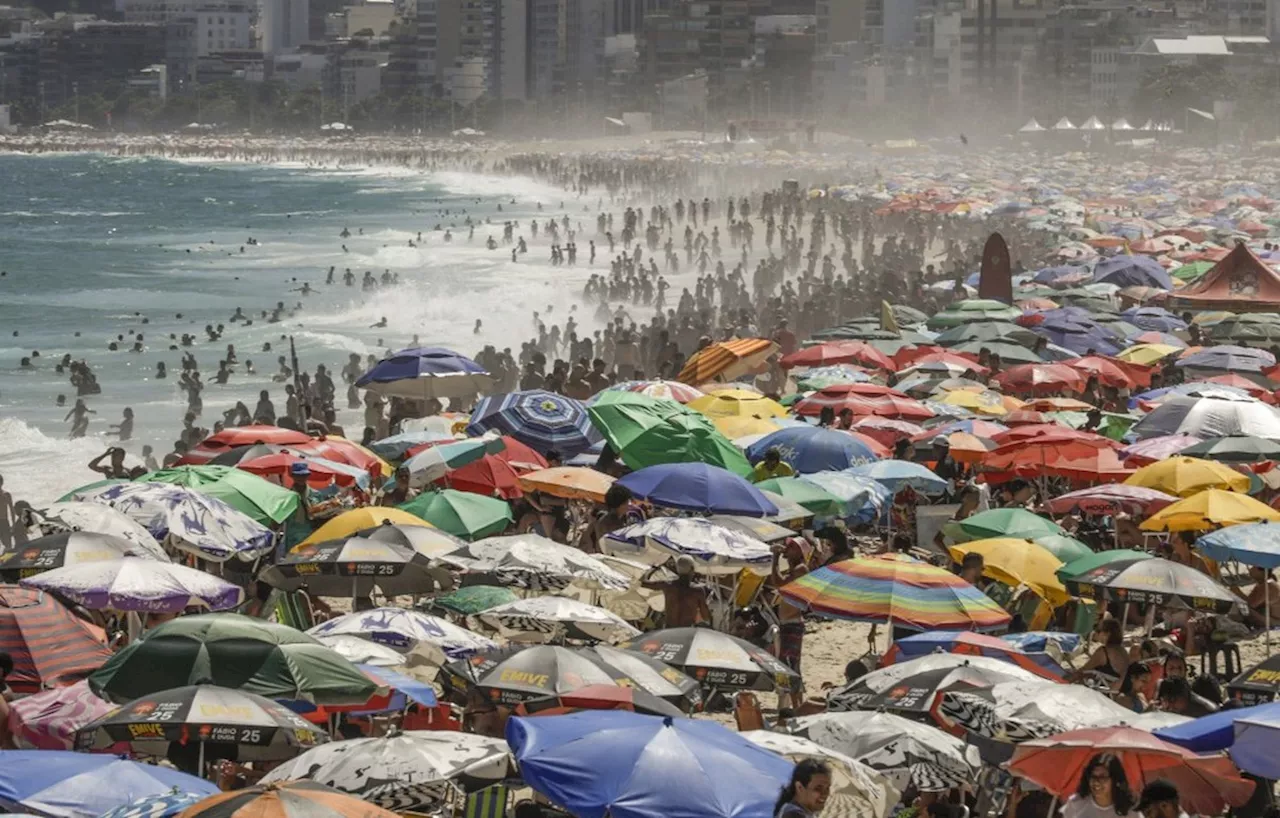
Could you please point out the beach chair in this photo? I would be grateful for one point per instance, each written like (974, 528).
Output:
(293, 608)
(490, 802)
(747, 712)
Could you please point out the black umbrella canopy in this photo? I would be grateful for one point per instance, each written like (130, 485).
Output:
(1259, 684)
(1154, 580)
(715, 659)
(352, 566)
(1235, 449)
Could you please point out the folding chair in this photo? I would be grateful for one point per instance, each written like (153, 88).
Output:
(490, 802)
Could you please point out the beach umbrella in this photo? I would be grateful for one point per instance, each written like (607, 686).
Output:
(516, 675)
(715, 659)
(1216, 731)
(240, 454)
(599, 697)
(138, 584)
(186, 519)
(61, 518)
(396, 447)
(48, 720)
(736, 428)
(1257, 684)
(1111, 371)
(1228, 358)
(1018, 711)
(979, 402)
(912, 686)
(1040, 379)
(285, 799)
(1156, 319)
(1252, 544)
(1017, 562)
(542, 420)
(810, 449)
(896, 475)
(49, 646)
(972, 644)
(1010, 353)
(341, 450)
(321, 473)
(647, 432)
(1001, 522)
(1206, 784)
(726, 361)
(437, 460)
(1132, 271)
(1188, 476)
(473, 599)
(1250, 327)
(857, 791)
(898, 590)
(235, 651)
(714, 548)
(423, 373)
(353, 566)
(982, 332)
(410, 771)
(261, 729)
(72, 549)
(970, 310)
(1110, 499)
(64, 784)
(360, 651)
(350, 523)
(663, 390)
(838, 352)
(724, 403)
(1146, 452)
(910, 753)
(534, 563)
(1147, 579)
(1235, 449)
(886, 431)
(698, 487)
(427, 541)
(1209, 509)
(461, 513)
(258, 499)
(490, 476)
(819, 377)
(665, 767)
(1209, 417)
(408, 632)
(861, 401)
(861, 498)
(553, 619)
(236, 436)
(569, 483)
(165, 805)
(814, 498)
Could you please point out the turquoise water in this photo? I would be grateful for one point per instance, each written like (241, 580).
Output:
(91, 245)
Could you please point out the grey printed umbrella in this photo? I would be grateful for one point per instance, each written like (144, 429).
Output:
(534, 562)
(715, 659)
(413, 771)
(857, 791)
(1020, 711)
(72, 548)
(352, 566)
(555, 618)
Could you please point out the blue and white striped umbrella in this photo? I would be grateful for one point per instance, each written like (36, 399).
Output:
(165, 805)
(542, 420)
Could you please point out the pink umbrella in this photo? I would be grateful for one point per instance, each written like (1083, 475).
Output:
(49, 720)
(887, 430)
(1111, 498)
(1148, 451)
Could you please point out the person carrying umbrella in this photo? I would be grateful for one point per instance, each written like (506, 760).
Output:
(686, 601)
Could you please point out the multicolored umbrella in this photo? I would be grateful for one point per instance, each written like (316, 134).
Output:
(65, 784)
(427, 541)
(663, 390)
(599, 697)
(895, 588)
(543, 420)
(48, 720)
(426, 372)
(285, 799)
(554, 619)
(321, 473)
(138, 584)
(698, 487)
(262, 501)
(353, 566)
(461, 513)
(49, 646)
(714, 548)
(715, 659)
(261, 729)
(72, 549)
(726, 361)
(971, 644)
(535, 563)
(439, 459)
(350, 523)
(414, 771)
(408, 632)
(253, 434)
(1147, 579)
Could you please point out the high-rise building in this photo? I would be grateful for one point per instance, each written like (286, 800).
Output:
(283, 25)
(713, 35)
(628, 15)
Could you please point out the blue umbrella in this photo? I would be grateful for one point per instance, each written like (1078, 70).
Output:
(895, 474)
(865, 500)
(1132, 271)
(1229, 358)
(1257, 737)
(1252, 544)
(1039, 641)
(809, 449)
(1075, 330)
(155, 806)
(66, 784)
(426, 372)
(542, 420)
(698, 487)
(1051, 275)
(628, 765)
(1216, 731)
(1155, 319)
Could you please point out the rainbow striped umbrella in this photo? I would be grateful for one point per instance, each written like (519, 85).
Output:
(897, 589)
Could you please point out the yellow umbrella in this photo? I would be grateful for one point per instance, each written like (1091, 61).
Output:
(1146, 354)
(358, 519)
(1209, 509)
(736, 427)
(1018, 562)
(737, 403)
(984, 403)
(1185, 476)
(569, 482)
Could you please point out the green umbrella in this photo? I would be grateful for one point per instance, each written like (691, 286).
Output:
(1009, 353)
(648, 431)
(70, 496)
(987, 331)
(1098, 559)
(1262, 326)
(1063, 546)
(812, 497)
(260, 499)
(234, 651)
(1190, 272)
(1001, 522)
(973, 309)
(461, 513)
(474, 598)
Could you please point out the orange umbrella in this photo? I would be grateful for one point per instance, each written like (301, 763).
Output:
(1032, 457)
(839, 352)
(1023, 417)
(726, 361)
(1097, 466)
(1040, 379)
(1112, 371)
(568, 482)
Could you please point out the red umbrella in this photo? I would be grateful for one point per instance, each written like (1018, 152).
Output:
(1053, 430)
(216, 444)
(49, 646)
(910, 356)
(518, 455)
(1112, 372)
(862, 399)
(1095, 466)
(1035, 456)
(1040, 379)
(490, 475)
(278, 465)
(1025, 417)
(1110, 499)
(838, 352)
(886, 430)
(341, 450)
(978, 428)
(599, 697)
(1207, 785)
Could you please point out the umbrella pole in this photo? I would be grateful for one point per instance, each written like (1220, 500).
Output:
(1266, 586)
(888, 636)
(201, 762)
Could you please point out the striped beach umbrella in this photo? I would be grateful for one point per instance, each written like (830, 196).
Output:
(896, 589)
(726, 361)
(288, 799)
(165, 805)
(48, 645)
(540, 419)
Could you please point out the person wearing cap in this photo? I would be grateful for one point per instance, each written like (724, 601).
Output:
(685, 601)
(299, 525)
(771, 466)
(1160, 800)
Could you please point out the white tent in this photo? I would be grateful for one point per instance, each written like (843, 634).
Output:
(1121, 124)
(1064, 124)
(1148, 126)
(1031, 127)
(1093, 124)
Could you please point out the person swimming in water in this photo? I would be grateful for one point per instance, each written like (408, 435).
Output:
(381, 323)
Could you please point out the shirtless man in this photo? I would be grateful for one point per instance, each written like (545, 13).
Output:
(685, 602)
(790, 618)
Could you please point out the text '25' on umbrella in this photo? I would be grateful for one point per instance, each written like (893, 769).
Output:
(715, 659)
(353, 566)
(627, 765)
(1143, 579)
(72, 548)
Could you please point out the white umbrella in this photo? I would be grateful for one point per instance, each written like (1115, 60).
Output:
(940, 669)
(1020, 711)
(411, 633)
(74, 516)
(359, 651)
(534, 562)
(1210, 417)
(413, 771)
(139, 584)
(714, 548)
(908, 752)
(550, 618)
(857, 791)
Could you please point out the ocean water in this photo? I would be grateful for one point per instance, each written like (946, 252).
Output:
(90, 246)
